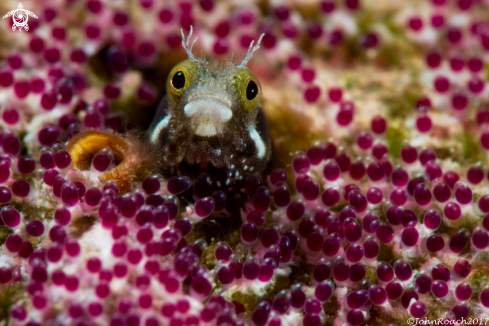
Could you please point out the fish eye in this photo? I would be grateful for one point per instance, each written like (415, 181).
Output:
(247, 88)
(181, 77)
(251, 90)
(178, 80)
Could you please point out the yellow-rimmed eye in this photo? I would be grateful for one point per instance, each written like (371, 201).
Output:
(178, 80)
(251, 90)
(181, 76)
(248, 88)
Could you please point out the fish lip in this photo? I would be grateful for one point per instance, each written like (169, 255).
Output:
(207, 116)
(203, 107)
(208, 108)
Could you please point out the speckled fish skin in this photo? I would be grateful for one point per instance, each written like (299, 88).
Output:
(239, 146)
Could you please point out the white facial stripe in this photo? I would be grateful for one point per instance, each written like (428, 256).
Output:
(260, 145)
(159, 128)
(210, 105)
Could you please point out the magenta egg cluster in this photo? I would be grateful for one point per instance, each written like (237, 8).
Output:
(379, 223)
(392, 209)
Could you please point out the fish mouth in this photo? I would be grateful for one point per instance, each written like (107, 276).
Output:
(208, 114)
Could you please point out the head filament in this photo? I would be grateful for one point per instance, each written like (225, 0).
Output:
(251, 51)
(188, 47)
(186, 43)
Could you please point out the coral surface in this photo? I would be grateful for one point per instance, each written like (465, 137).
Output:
(374, 208)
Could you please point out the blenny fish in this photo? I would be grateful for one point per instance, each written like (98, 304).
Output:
(209, 129)
(211, 121)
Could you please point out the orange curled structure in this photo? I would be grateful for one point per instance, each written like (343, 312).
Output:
(85, 145)
(131, 158)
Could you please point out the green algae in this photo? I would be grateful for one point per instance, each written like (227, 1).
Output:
(331, 308)
(466, 223)
(338, 208)
(401, 105)
(386, 55)
(281, 282)
(29, 213)
(208, 259)
(472, 151)
(365, 20)
(300, 273)
(389, 55)
(80, 225)
(214, 230)
(213, 233)
(444, 153)
(417, 262)
(379, 317)
(248, 300)
(5, 231)
(351, 82)
(371, 274)
(291, 132)
(33, 212)
(435, 311)
(386, 253)
(478, 278)
(233, 237)
(353, 51)
(395, 137)
(9, 294)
